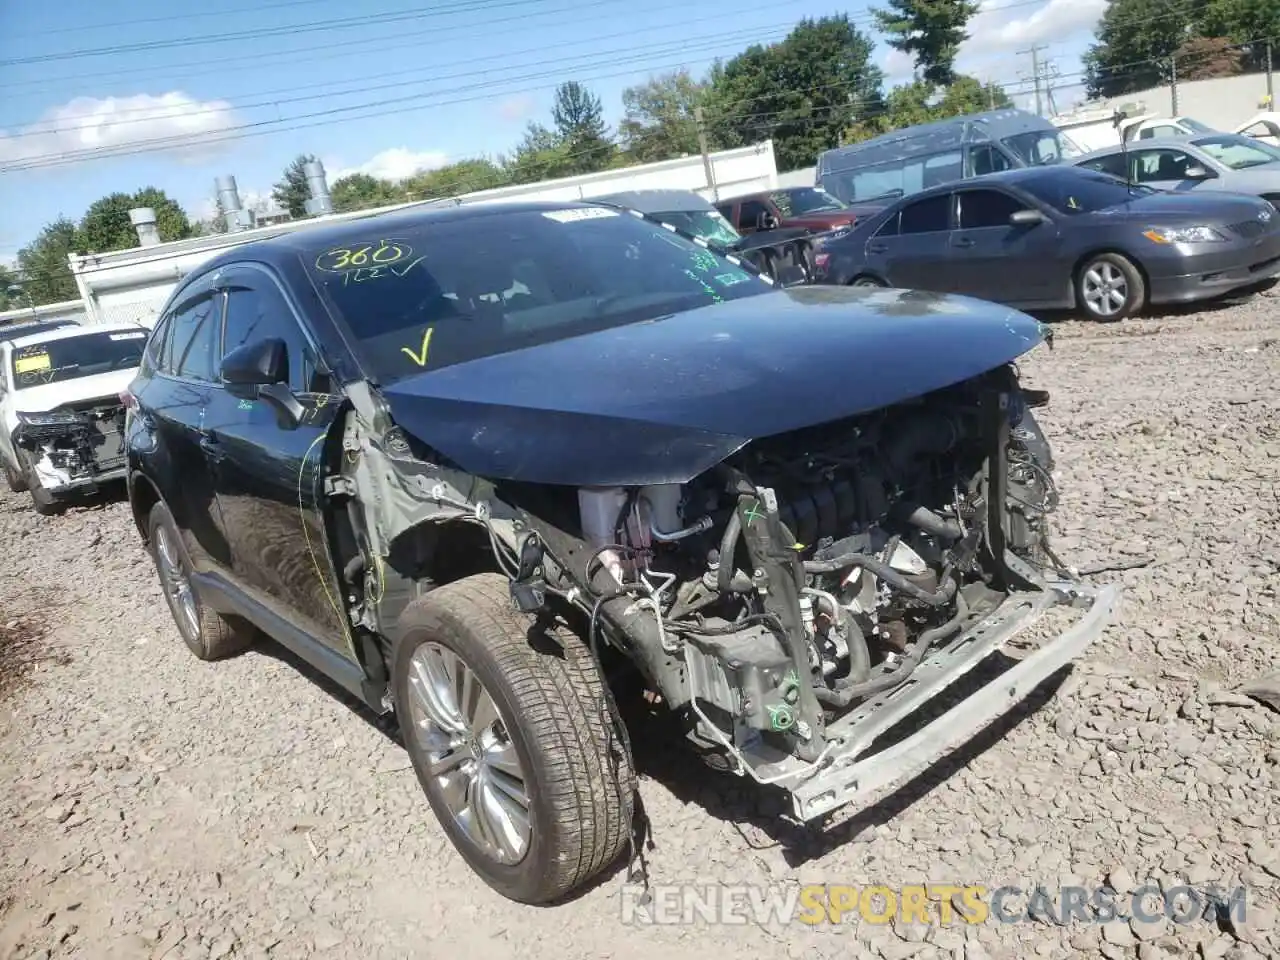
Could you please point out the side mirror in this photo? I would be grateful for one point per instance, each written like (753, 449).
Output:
(263, 366)
(1197, 172)
(766, 221)
(1027, 218)
(257, 364)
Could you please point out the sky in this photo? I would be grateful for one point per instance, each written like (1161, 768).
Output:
(387, 87)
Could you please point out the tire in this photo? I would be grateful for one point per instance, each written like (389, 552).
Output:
(550, 717)
(15, 480)
(207, 634)
(1100, 278)
(866, 281)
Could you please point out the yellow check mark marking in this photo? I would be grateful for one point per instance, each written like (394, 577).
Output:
(420, 358)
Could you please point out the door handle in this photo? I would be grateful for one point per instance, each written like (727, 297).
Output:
(962, 242)
(877, 248)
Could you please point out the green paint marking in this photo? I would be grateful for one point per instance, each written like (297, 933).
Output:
(754, 514)
(245, 404)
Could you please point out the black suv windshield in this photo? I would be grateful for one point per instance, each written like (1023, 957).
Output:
(1072, 190)
(84, 355)
(449, 291)
(803, 200)
(1042, 147)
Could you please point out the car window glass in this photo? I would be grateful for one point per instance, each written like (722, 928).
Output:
(931, 215)
(986, 208)
(890, 227)
(749, 213)
(156, 344)
(1113, 164)
(1154, 165)
(988, 160)
(260, 312)
(1238, 152)
(194, 342)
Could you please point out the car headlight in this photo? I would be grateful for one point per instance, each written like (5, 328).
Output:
(1183, 235)
(52, 419)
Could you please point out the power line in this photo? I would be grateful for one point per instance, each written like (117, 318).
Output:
(150, 114)
(417, 13)
(189, 15)
(344, 46)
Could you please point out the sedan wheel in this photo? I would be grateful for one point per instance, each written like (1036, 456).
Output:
(1109, 288)
(866, 282)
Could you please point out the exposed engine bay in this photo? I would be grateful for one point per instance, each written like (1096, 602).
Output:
(77, 442)
(784, 601)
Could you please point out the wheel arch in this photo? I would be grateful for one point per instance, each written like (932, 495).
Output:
(143, 496)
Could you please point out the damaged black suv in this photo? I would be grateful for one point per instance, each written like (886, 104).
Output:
(484, 465)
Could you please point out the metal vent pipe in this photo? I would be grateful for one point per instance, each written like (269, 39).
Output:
(144, 222)
(320, 203)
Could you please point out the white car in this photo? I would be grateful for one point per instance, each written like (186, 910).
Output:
(1264, 127)
(61, 414)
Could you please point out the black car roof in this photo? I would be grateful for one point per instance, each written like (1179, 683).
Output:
(1013, 177)
(287, 246)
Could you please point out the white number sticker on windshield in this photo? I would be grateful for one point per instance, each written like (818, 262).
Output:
(128, 336)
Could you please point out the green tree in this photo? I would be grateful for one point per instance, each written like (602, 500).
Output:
(8, 282)
(465, 176)
(1248, 22)
(659, 122)
(1132, 45)
(542, 155)
(921, 102)
(578, 116)
(291, 190)
(359, 191)
(802, 92)
(929, 31)
(44, 266)
(106, 224)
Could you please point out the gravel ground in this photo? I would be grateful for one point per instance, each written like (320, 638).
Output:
(155, 806)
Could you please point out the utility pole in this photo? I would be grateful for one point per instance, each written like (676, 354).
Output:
(706, 155)
(1036, 75)
(1271, 100)
(1173, 86)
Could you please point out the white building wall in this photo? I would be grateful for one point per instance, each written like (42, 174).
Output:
(132, 285)
(1224, 103)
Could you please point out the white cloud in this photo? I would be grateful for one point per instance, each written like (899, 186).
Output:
(994, 30)
(394, 164)
(516, 108)
(171, 121)
(898, 67)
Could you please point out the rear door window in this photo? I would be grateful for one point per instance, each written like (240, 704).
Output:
(931, 215)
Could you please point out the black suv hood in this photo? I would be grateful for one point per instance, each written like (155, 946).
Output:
(664, 400)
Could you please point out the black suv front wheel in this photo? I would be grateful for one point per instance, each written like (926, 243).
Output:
(508, 730)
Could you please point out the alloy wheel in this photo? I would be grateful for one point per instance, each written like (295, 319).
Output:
(471, 759)
(177, 587)
(1105, 289)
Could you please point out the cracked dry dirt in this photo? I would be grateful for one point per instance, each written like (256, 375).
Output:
(155, 806)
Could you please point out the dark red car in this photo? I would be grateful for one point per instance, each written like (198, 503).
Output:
(808, 208)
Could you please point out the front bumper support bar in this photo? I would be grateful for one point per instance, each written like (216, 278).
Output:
(840, 778)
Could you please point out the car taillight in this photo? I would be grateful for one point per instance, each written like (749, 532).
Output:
(821, 259)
